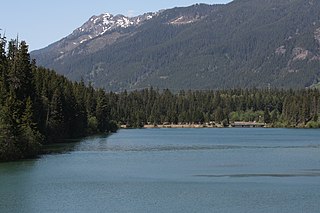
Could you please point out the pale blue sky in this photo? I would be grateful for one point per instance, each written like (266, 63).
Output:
(42, 22)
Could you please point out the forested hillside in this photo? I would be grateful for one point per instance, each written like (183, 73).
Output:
(243, 44)
(38, 106)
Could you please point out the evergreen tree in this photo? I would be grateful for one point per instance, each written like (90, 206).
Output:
(102, 112)
(266, 116)
(29, 132)
(56, 120)
(219, 116)
(10, 146)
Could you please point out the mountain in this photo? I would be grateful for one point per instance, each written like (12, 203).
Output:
(95, 34)
(246, 43)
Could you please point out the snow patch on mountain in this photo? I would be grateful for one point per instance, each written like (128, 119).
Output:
(100, 25)
(185, 20)
(100, 30)
(317, 35)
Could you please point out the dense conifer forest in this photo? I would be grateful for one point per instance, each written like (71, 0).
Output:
(38, 106)
(243, 44)
(276, 108)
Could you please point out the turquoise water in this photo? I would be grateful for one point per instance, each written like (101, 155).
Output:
(172, 170)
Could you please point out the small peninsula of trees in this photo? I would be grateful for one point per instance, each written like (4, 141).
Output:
(38, 106)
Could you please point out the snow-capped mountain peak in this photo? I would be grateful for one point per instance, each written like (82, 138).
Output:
(101, 30)
(99, 25)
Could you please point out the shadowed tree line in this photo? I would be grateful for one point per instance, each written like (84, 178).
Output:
(38, 106)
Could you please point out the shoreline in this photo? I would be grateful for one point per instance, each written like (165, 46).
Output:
(181, 126)
(197, 126)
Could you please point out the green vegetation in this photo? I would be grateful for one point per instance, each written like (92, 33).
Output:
(38, 106)
(277, 108)
(244, 44)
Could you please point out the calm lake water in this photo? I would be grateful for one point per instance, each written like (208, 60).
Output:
(172, 170)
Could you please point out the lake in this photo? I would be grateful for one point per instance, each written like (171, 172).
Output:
(172, 170)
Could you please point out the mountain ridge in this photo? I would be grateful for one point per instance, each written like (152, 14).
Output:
(246, 43)
(96, 26)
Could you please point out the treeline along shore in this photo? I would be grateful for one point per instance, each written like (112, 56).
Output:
(38, 106)
(193, 109)
(211, 124)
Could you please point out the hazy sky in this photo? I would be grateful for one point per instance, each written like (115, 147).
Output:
(42, 22)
